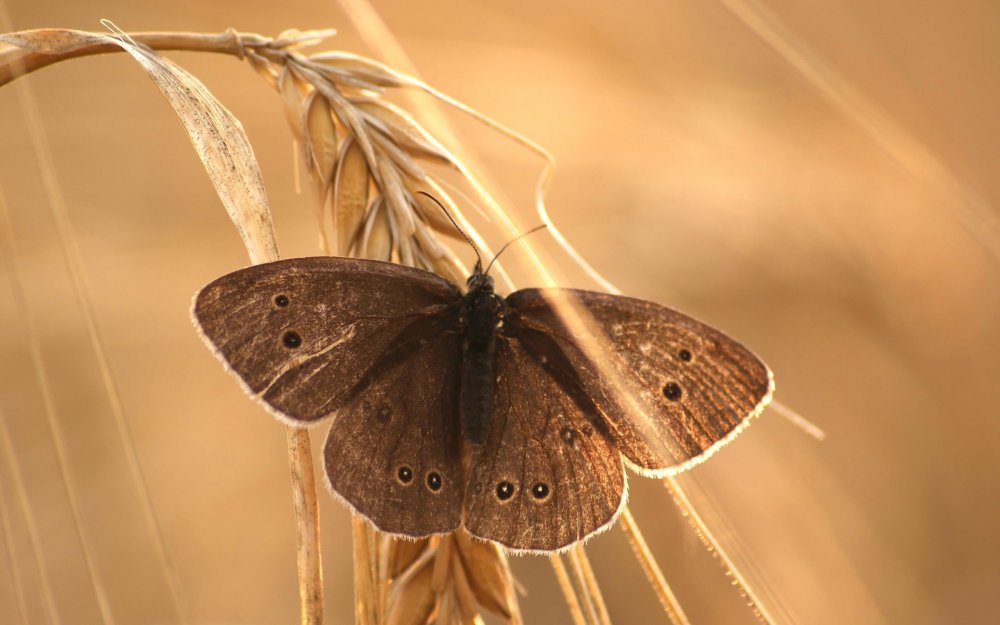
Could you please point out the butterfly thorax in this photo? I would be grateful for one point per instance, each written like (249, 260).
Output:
(482, 315)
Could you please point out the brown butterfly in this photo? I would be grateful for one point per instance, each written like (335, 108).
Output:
(508, 416)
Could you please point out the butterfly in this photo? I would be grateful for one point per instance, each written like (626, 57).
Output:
(513, 417)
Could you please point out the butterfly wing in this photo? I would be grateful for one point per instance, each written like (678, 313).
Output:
(548, 475)
(302, 334)
(373, 342)
(671, 389)
(393, 451)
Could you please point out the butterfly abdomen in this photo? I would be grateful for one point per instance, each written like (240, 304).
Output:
(478, 374)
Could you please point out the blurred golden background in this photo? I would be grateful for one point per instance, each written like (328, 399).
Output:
(818, 179)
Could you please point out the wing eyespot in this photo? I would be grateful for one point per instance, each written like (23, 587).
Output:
(672, 391)
(505, 490)
(434, 481)
(568, 435)
(540, 491)
(684, 355)
(405, 475)
(292, 340)
(281, 301)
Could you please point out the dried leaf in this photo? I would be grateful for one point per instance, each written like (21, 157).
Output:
(220, 141)
(321, 137)
(488, 574)
(54, 40)
(414, 600)
(350, 193)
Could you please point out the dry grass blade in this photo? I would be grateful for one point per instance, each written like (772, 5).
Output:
(220, 141)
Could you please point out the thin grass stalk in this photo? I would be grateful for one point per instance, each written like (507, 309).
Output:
(712, 545)
(798, 420)
(52, 419)
(578, 555)
(8, 544)
(48, 597)
(581, 589)
(81, 291)
(975, 212)
(652, 570)
(569, 592)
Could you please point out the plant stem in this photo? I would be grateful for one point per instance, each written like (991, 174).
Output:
(28, 61)
(307, 523)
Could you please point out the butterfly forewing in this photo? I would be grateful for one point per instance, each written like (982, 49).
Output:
(547, 475)
(671, 388)
(302, 333)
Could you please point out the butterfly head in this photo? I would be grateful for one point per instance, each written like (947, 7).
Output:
(479, 280)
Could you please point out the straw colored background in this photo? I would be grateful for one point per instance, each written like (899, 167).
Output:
(820, 182)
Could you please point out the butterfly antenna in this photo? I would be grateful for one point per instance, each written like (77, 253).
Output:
(452, 220)
(514, 240)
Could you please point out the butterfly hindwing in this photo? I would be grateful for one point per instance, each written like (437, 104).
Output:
(393, 450)
(547, 476)
(301, 333)
(671, 388)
